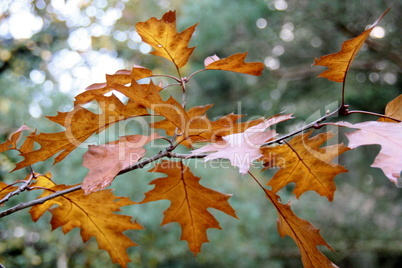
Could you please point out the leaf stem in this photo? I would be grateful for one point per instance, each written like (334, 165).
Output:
(372, 113)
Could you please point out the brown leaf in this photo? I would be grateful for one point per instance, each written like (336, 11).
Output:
(339, 63)
(386, 134)
(107, 160)
(394, 110)
(11, 143)
(234, 63)
(242, 148)
(303, 233)
(80, 124)
(305, 163)
(164, 38)
(189, 202)
(93, 214)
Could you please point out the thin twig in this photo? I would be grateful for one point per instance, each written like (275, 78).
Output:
(24, 186)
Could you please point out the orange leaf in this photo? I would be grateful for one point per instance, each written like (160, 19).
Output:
(394, 110)
(339, 63)
(189, 202)
(93, 214)
(148, 96)
(80, 124)
(234, 63)
(305, 235)
(11, 143)
(303, 162)
(121, 77)
(107, 160)
(164, 38)
(5, 189)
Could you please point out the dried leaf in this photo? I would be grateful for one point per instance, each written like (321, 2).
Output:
(234, 63)
(386, 134)
(305, 163)
(93, 214)
(339, 63)
(242, 148)
(106, 161)
(189, 202)
(5, 189)
(80, 124)
(164, 38)
(394, 110)
(11, 143)
(305, 235)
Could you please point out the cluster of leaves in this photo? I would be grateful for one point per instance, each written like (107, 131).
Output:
(300, 156)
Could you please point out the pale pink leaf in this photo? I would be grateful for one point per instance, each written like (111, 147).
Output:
(210, 60)
(242, 148)
(386, 134)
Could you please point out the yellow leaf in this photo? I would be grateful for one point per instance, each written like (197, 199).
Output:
(394, 110)
(164, 38)
(339, 63)
(93, 214)
(189, 202)
(235, 63)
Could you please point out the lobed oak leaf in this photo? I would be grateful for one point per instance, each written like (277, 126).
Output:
(339, 63)
(305, 163)
(93, 214)
(189, 202)
(162, 35)
(234, 63)
(393, 109)
(121, 77)
(242, 148)
(11, 143)
(386, 134)
(5, 189)
(107, 160)
(303, 233)
(80, 124)
(148, 96)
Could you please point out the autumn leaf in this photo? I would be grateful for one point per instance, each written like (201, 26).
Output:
(11, 143)
(107, 160)
(305, 235)
(305, 163)
(149, 97)
(189, 202)
(93, 214)
(121, 77)
(339, 63)
(394, 110)
(201, 129)
(164, 38)
(242, 148)
(234, 63)
(386, 134)
(5, 189)
(80, 124)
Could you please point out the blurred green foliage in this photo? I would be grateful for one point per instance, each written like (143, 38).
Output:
(68, 45)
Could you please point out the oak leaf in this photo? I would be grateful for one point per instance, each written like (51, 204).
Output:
(393, 109)
(11, 143)
(234, 63)
(386, 134)
(80, 124)
(5, 189)
(305, 163)
(107, 160)
(339, 63)
(93, 214)
(242, 148)
(189, 202)
(162, 35)
(303, 233)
